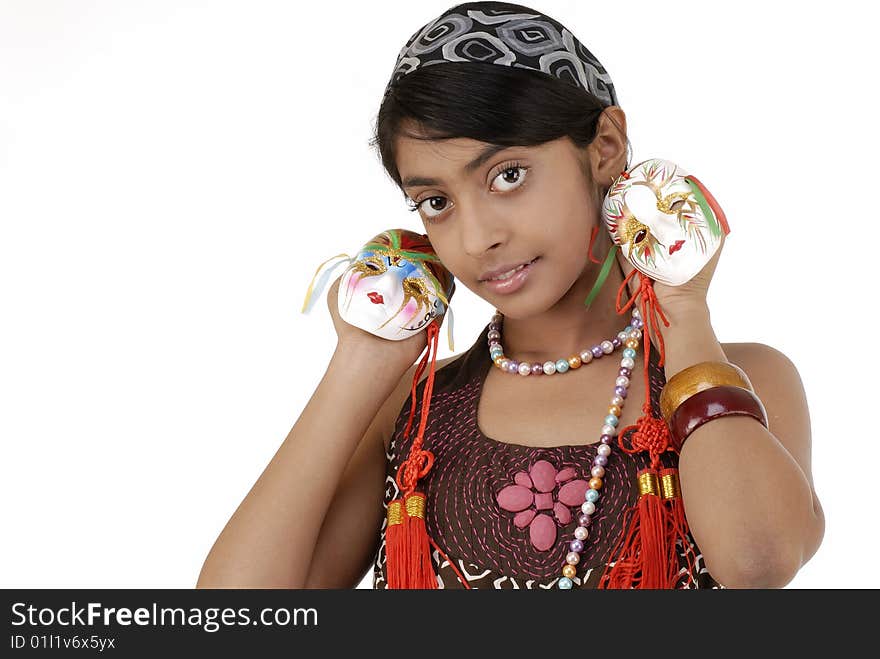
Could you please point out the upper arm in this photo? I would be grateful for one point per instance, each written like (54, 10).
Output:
(349, 535)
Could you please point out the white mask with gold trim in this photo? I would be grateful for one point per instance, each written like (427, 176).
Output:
(393, 287)
(666, 223)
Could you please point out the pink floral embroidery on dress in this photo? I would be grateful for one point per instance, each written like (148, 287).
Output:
(542, 488)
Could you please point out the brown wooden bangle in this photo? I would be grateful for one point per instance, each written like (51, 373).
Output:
(699, 377)
(724, 400)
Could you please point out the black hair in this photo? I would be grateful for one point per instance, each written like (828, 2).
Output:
(486, 102)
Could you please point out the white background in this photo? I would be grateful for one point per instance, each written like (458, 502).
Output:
(172, 173)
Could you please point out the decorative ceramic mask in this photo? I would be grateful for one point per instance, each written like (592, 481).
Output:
(394, 286)
(664, 220)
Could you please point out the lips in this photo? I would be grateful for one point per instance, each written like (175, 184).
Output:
(507, 268)
(677, 246)
(513, 283)
(375, 298)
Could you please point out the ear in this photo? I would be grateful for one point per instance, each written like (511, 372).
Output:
(608, 150)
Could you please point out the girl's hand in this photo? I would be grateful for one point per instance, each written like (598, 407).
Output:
(677, 300)
(399, 355)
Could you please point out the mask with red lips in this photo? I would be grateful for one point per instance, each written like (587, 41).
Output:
(394, 286)
(666, 223)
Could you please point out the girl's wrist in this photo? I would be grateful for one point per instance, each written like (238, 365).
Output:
(363, 357)
(686, 311)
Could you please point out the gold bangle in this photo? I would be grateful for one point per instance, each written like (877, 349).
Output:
(697, 378)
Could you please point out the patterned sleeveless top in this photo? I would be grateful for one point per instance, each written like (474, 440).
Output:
(505, 513)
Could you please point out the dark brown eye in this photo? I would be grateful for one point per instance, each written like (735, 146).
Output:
(371, 265)
(640, 236)
(511, 174)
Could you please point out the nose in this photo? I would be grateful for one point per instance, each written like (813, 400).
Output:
(481, 229)
(666, 233)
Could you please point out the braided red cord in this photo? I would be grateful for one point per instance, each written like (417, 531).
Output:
(419, 461)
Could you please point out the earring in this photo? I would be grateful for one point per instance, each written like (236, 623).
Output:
(590, 248)
(606, 264)
(592, 258)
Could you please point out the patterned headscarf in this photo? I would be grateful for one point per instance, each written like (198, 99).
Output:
(509, 35)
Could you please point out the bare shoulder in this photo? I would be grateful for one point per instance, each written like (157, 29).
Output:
(396, 400)
(778, 384)
(767, 367)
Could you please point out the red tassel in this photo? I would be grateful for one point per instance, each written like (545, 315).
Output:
(395, 568)
(645, 556)
(677, 527)
(652, 534)
(407, 545)
(641, 562)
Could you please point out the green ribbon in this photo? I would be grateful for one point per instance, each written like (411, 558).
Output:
(707, 210)
(603, 275)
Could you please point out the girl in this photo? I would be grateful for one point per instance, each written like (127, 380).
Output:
(503, 133)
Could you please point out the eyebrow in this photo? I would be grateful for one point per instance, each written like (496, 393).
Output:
(482, 157)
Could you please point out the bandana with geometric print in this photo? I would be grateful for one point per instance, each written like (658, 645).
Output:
(509, 35)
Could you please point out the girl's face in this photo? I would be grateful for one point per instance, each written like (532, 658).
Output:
(486, 207)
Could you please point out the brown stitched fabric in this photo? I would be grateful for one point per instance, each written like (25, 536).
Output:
(493, 545)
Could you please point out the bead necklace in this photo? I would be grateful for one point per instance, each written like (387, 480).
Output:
(585, 356)
(629, 337)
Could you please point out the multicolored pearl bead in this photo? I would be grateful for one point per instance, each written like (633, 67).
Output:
(550, 367)
(630, 339)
